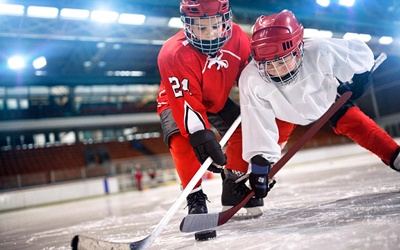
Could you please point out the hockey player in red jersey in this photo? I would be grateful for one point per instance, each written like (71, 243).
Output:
(199, 66)
(296, 81)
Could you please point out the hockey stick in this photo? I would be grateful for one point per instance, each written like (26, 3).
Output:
(84, 242)
(378, 61)
(200, 222)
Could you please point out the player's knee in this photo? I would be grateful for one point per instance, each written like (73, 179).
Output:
(179, 145)
(340, 113)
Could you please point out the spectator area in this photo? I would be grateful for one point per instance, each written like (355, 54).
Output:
(27, 161)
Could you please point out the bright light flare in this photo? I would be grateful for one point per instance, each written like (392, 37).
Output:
(16, 62)
(12, 9)
(39, 62)
(385, 40)
(175, 22)
(74, 13)
(134, 19)
(42, 12)
(347, 3)
(323, 3)
(104, 16)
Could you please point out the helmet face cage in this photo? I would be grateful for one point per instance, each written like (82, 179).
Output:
(218, 26)
(284, 69)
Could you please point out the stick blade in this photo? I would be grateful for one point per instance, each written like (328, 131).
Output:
(141, 244)
(81, 242)
(198, 222)
(201, 222)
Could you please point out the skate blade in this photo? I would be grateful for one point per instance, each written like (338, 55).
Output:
(245, 213)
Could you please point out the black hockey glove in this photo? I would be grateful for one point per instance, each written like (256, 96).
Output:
(260, 168)
(358, 85)
(205, 145)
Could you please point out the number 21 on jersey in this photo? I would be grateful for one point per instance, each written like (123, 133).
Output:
(179, 86)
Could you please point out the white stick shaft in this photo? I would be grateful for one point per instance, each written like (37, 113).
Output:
(167, 217)
(378, 61)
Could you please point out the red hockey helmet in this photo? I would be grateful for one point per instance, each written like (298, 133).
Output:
(278, 37)
(218, 16)
(204, 8)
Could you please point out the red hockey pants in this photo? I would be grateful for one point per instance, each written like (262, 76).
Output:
(365, 132)
(187, 165)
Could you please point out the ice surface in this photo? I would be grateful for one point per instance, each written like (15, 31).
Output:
(347, 203)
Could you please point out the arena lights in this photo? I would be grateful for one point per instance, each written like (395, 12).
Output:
(326, 3)
(16, 62)
(125, 73)
(39, 62)
(385, 40)
(104, 16)
(175, 22)
(314, 33)
(74, 13)
(310, 33)
(347, 3)
(134, 19)
(12, 9)
(362, 37)
(42, 12)
(323, 3)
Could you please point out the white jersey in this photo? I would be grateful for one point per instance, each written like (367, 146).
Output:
(302, 101)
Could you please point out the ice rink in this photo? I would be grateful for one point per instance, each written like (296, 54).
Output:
(344, 203)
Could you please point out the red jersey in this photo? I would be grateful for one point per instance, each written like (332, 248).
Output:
(193, 83)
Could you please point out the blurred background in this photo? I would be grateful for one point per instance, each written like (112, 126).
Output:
(79, 80)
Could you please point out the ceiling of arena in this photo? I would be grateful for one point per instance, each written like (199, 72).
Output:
(85, 52)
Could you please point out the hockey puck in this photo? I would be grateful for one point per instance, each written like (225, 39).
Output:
(74, 242)
(205, 235)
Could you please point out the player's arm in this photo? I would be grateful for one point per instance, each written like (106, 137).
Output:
(185, 97)
(358, 85)
(260, 134)
(358, 63)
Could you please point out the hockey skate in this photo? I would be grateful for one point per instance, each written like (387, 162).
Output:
(395, 162)
(196, 203)
(234, 190)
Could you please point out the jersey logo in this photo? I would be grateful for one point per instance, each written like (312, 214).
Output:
(216, 60)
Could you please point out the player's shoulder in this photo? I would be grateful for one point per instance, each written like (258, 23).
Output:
(175, 48)
(250, 69)
(174, 43)
(238, 31)
(249, 76)
(237, 27)
(239, 42)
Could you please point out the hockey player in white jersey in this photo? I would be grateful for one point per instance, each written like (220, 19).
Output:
(296, 80)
